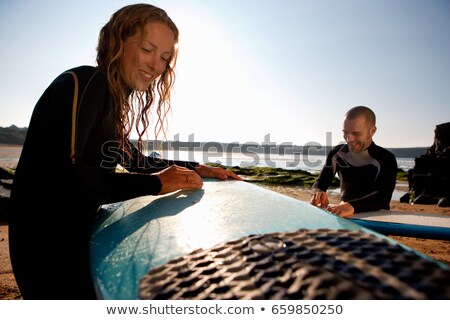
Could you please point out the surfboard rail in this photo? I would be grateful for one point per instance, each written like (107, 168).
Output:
(407, 224)
(405, 230)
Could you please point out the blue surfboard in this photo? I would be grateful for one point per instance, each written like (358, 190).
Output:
(136, 236)
(408, 224)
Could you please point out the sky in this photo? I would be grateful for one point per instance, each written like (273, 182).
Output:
(255, 70)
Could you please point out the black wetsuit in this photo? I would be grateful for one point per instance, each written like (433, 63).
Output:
(65, 172)
(367, 179)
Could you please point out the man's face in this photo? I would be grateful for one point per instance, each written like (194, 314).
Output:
(358, 134)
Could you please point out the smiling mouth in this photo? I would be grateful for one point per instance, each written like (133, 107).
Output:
(353, 145)
(146, 75)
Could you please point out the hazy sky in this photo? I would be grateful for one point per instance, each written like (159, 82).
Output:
(246, 69)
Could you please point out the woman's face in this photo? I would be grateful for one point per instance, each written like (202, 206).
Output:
(146, 55)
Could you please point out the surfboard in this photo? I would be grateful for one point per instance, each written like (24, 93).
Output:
(142, 235)
(408, 224)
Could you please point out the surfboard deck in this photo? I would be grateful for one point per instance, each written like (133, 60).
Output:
(408, 224)
(135, 236)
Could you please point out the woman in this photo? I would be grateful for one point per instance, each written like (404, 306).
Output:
(79, 132)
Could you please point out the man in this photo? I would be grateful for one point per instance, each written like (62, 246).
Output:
(366, 171)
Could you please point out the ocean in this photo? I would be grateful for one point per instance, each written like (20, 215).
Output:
(310, 163)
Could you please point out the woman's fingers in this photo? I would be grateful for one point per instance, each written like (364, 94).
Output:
(216, 172)
(176, 178)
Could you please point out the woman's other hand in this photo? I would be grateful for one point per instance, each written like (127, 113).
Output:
(215, 172)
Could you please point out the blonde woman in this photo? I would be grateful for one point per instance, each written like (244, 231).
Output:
(79, 132)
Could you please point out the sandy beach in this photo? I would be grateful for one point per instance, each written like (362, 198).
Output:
(439, 250)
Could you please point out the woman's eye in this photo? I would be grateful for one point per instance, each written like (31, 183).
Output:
(147, 50)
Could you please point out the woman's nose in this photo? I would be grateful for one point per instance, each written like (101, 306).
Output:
(156, 64)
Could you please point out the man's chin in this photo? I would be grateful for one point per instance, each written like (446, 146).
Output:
(355, 148)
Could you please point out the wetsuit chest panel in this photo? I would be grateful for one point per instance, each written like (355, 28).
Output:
(357, 173)
(356, 181)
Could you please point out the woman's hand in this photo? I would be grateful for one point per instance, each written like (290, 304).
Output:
(175, 178)
(215, 172)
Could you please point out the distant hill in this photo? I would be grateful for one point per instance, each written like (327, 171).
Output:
(12, 135)
(220, 147)
(408, 152)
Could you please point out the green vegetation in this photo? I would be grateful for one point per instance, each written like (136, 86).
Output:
(279, 176)
(6, 173)
(402, 175)
(275, 176)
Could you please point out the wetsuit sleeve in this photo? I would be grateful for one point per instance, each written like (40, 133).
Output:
(380, 198)
(105, 187)
(113, 187)
(327, 173)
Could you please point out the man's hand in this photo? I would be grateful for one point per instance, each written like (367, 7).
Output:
(344, 209)
(319, 199)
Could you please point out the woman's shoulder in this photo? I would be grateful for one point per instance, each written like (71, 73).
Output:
(83, 77)
(78, 73)
(85, 73)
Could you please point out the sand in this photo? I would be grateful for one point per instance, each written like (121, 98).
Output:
(8, 286)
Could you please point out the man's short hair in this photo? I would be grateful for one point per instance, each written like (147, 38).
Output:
(359, 111)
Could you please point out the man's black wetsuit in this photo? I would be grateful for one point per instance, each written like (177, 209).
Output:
(65, 172)
(367, 179)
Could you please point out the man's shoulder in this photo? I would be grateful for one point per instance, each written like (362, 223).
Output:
(380, 149)
(381, 152)
(340, 147)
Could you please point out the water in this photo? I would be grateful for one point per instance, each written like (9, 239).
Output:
(9, 155)
(310, 163)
